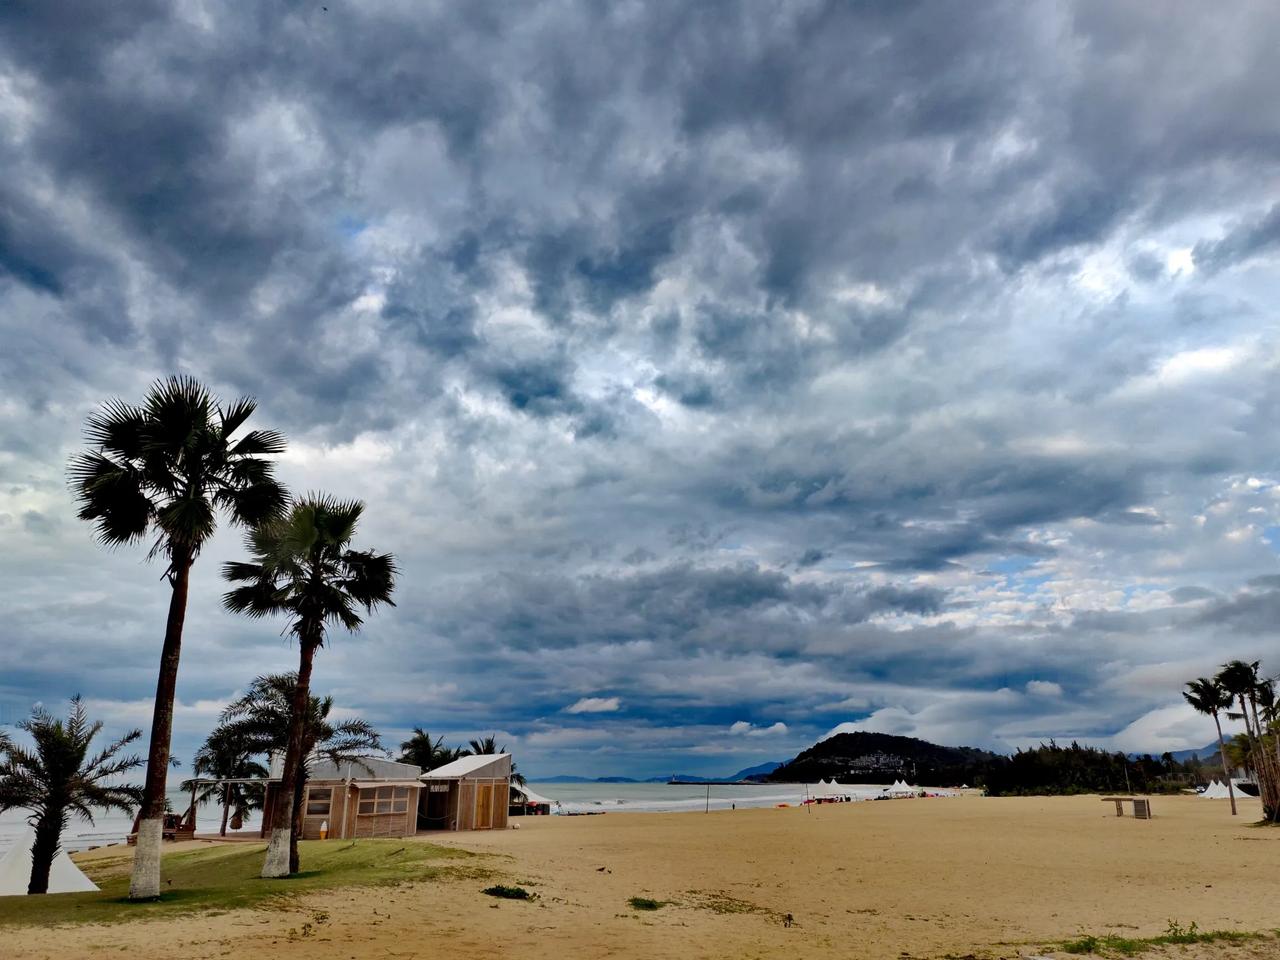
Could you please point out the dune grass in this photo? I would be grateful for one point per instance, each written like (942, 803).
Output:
(1176, 934)
(225, 877)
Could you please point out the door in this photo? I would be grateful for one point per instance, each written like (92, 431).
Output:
(484, 806)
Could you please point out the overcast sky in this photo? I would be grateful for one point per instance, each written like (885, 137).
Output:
(720, 374)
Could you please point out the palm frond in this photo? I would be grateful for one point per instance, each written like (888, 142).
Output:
(234, 415)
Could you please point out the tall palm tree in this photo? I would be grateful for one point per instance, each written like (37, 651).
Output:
(226, 756)
(489, 745)
(58, 778)
(1241, 680)
(1207, 697)
(422, 751)
(304, 568)
(166, 469)
(263, 717)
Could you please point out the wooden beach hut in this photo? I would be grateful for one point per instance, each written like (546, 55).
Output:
(364, 797)
(471, 793)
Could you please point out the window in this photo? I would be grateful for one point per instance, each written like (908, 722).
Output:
(318, 801)
(374, 800)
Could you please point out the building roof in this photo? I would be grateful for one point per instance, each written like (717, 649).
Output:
(468, 766)
(531, 797)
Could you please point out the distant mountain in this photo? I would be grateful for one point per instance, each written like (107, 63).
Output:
(878, 757)
(758, 772)
(569, 778)
(1207, 754)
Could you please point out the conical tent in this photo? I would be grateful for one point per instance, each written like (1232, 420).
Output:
(1216, 791)
(15, 871)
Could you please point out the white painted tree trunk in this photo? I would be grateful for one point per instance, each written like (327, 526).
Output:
(144, 884)
(276, 864)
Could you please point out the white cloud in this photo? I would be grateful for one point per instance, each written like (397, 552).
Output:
(595, 705)
(1044, 688)
(743, 728)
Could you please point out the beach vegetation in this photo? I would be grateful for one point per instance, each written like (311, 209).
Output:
(223, 877)
(422, 751)
(57, 779)
(165, 470)
(1255, 698)
(1176, 934)
(228, 754)
(262, 718)
(503, 892)
(489, 745)
(1207, 696)
(646, 903)
(304, 568)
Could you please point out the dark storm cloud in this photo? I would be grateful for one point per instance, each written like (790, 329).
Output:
(793, 363)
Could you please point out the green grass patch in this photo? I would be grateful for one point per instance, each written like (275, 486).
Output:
(644, 903)
(1176, 933)
(508, 893)
(225, 877)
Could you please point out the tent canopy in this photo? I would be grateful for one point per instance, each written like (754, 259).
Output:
(15, 870)
(531, 797)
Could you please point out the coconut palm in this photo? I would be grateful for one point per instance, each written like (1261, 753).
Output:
(1241, 680)
(488, 745)
(263, 717)
(303, 567)
(227, 755)
(422, 751)
(1207, 697)
(57, 778)
(167, 469)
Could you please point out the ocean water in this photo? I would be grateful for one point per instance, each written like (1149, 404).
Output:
(571, 798)
(580, 798)
(110, 827)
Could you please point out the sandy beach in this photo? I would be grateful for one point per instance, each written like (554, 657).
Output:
(918, 878)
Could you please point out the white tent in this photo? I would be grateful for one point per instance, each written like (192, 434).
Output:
(823, 790)
(15, 871)
(1215, 791)
(531, 797)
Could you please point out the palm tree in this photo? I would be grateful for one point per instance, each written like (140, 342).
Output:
(422, 751)
(225, 755)
(263, 717)
(1241, 680)
(489, 745)
(303, 567)
(58, 778)
(1207, 696)
(166, 469)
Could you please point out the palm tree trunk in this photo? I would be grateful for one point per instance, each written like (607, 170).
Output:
(144, 884)
(1222, 754)
(299, 788)
(1269, 787)
(44, 849)
(226, 808)
(277, 861)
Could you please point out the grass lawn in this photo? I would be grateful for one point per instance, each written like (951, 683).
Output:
(226, 877)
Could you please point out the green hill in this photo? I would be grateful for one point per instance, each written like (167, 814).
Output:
(881, 757)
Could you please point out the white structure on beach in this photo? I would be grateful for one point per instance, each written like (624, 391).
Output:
(15, 871)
